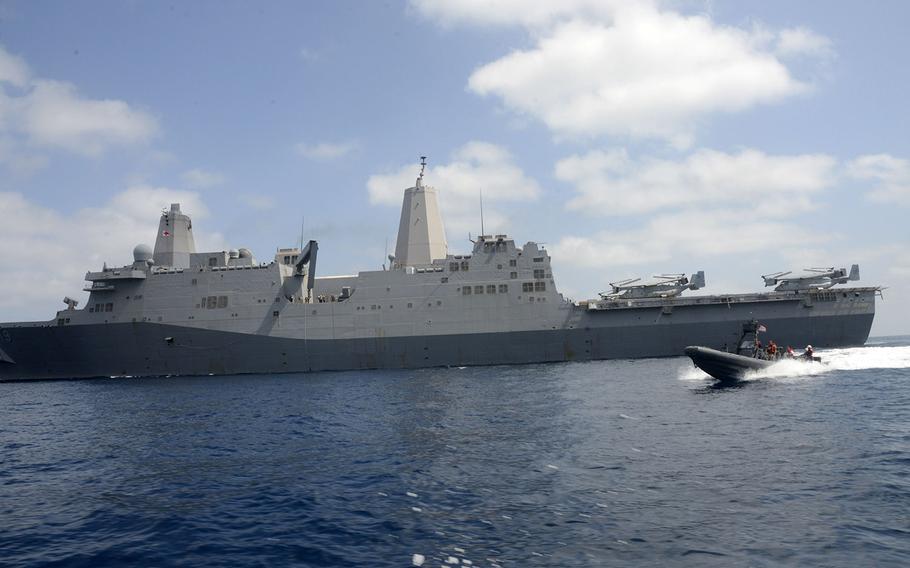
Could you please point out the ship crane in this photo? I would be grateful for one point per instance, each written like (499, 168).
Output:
(817, 279)
(307, 259)
(666, 286)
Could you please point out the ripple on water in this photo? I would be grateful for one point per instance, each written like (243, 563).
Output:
(585, 464)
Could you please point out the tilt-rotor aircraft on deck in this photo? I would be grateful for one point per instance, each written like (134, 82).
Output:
(175, 311)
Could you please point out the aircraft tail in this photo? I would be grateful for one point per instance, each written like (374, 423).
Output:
(854, 272)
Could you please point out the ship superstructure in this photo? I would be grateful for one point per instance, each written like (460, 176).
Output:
(175, 311)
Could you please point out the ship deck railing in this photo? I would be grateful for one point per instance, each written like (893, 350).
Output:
(751, 297)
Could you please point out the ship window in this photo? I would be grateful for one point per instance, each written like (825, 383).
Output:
(530, 298)
(538, 259)
(410, 305)
(491, 288)
(60, 321)
(98, 307)
(527, 286)
(503, 288)
(445, 279)
(213, 261)
(222, 301)
(539, 273)
(513, 262)
(466, 291)
(211, 302)
(438, 302)
(193, 282)
(275, 313)
(478, 289)
(90, 310)
(453, 267)
(498, 267)
(108, 307)
(540, 286)
(464, 265)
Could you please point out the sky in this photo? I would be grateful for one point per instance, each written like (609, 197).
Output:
(632, 138)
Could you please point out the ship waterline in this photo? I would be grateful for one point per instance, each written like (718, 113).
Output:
(178, 312)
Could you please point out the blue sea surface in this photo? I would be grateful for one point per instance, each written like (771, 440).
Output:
(611, 463)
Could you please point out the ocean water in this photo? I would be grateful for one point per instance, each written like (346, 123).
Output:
(615, 463)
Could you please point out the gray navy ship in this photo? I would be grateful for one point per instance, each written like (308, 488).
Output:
(175, 311)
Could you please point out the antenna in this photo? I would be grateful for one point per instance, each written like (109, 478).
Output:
(386, 253)
(481, 213)
(423, 165)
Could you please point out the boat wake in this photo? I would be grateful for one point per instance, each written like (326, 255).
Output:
(848, 359)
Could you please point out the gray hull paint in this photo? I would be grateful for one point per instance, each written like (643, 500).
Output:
(142, 349)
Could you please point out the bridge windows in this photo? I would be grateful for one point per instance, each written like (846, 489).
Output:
(491, 288)
(513, 275)
(478, 289)
(527, 286)
(453, 267)
(540, 286)
(466, 291)
(539, 273)
(513, 262)
(503, 288)
(464, 265)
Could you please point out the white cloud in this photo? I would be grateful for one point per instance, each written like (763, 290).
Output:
(891, 174)
(325, 151)
(20, 161)
(698, 233)
(610, 183)
(146, 202)
(627, 68)
(475, 167)
(202, 179)
(803, 41)
(43, 113)
(56, 116)
(510, 12)
(47, 253)
(13, 69)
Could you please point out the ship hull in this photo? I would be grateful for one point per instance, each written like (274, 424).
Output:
(46, 351)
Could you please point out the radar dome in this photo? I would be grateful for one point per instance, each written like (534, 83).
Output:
(142, 253)
(245, 253)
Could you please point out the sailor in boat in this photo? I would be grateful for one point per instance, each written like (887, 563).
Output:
(772, 350)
